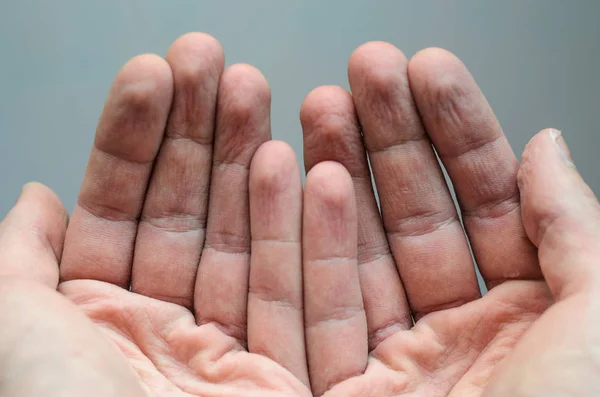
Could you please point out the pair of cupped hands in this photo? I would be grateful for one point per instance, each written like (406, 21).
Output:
(195, 264)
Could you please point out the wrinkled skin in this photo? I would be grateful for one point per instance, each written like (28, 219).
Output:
(182, 273)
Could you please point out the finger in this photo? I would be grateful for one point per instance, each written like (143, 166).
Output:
(331, 133)
(32, 236)
(560, 213)
(112, 194)
(420, 219)
(171, 230)
(336, 325)
(243, 124)
(562, 217)
(275, 315)
(480, 162)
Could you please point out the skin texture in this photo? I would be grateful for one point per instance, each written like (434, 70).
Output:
(194, 265)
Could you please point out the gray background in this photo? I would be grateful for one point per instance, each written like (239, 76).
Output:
(537, 62)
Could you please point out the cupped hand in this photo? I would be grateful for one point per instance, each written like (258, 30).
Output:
(181, 265)
(181, 268)
(408, 319)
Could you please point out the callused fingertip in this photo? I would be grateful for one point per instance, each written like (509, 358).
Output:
(559, 143)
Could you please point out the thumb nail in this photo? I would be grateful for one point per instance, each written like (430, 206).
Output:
(562, 147)
(24, 189)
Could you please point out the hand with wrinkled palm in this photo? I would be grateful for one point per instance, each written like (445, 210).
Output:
(182, 272)
(535, 332)
(164, 299)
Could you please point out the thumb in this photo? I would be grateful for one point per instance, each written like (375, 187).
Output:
(32, 236)
(561, 215)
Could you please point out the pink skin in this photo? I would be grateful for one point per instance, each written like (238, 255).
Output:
(194, 265)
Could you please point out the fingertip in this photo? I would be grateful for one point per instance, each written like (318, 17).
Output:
(274, 165)
(143, 76)
(32, 237)
(435, 56)
(377, 64)
(542, 162)
(331, 131)
(274, 150)
(330, 215)
(38, 189)
(135, 113)
(437, 77)
(433, 62)
(244, 104)
(375, 51)
(196, 43)
(330, 100)
(136, 110)
(197, 59)
(38, 194)
(242, 78)
(243, 115)
(275, 188)
(330, 184)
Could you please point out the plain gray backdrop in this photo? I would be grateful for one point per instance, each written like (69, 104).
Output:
(536, 61)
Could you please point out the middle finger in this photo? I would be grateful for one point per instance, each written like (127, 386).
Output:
(171, 230)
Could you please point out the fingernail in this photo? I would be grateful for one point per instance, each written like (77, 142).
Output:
(23, 189)
(562, 147)
(22, 192)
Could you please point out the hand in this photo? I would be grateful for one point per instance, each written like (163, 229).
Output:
(161, 351)
(163, 297)
(535, 332)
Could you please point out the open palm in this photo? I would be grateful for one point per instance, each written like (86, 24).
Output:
(426, 328)
(182, 272)
(157, 252)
